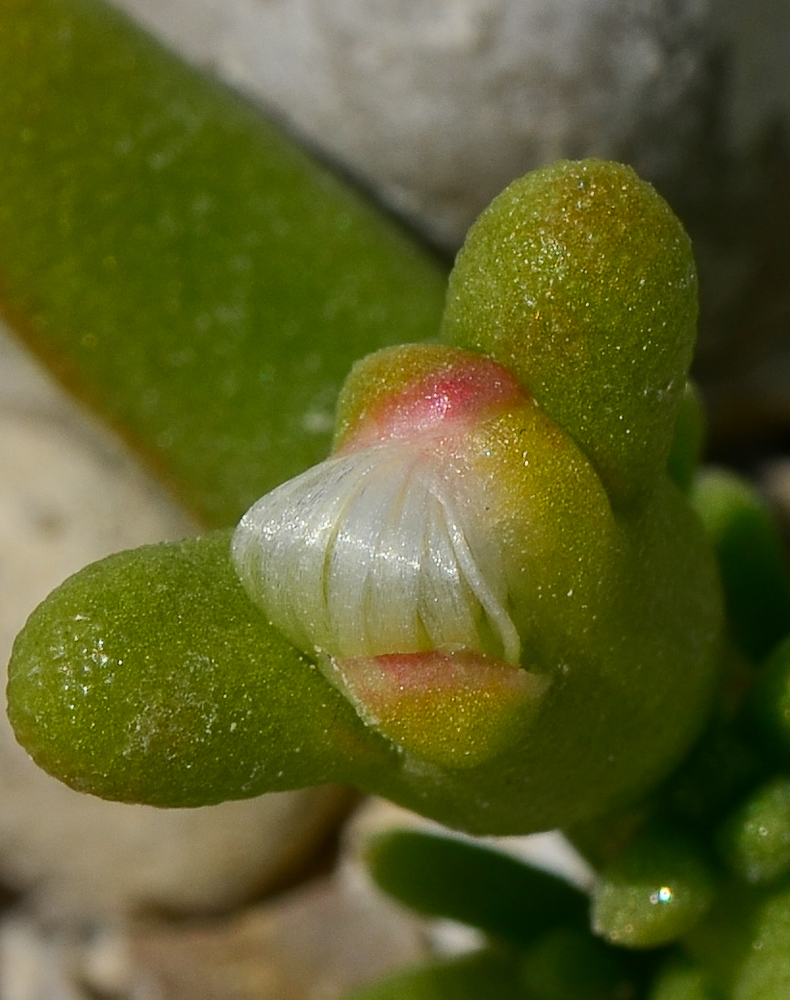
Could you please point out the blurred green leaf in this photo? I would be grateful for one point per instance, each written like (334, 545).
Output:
(765, 972)
(720, 770)
(751, 556)
(681, 980)
(755, 840)
(570, 964)
(477, 885)
(654, 892)
(180, 262)
(768, 707)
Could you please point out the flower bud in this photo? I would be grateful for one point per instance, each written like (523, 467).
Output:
(379, 549)
(494, 567)
(410, 562)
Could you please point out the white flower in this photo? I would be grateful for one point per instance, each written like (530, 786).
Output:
(380, 550)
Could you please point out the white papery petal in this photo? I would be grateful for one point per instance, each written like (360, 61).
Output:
(491, 590)
(371, 553)
(374, 567)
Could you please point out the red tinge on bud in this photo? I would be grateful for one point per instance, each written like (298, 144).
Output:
(386, 562)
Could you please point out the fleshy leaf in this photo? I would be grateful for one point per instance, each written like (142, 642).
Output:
(570, 964)
(765, 972)
(181, 263)
(769, 706)
(580, 279)
(682, 980)
(149, 677)
(741, 948)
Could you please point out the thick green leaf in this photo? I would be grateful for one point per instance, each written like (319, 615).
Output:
(765, 973)
(742, 948)
(580, 278)
(150, 677)
(180, 262)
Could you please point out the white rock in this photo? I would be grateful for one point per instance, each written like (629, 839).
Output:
(437, 104)
(34, 966)
(315, 943)
(755, 37)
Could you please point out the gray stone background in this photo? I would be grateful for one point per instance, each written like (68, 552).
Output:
(433, 106)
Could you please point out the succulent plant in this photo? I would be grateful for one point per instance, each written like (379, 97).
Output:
(524, 617)
(507, 598)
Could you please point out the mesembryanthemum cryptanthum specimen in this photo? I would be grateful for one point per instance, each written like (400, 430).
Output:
(402, 563)
(494, 560)
(381, 549)
(515, 608)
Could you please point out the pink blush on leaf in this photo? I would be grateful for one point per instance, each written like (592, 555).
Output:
(448, 400)
(451, 709)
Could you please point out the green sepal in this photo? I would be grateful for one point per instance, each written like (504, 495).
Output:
(654, 892)
(488, 974)
(149, 677)
(581, 280)
(180, 262)
(751, 558)
(473, 884)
